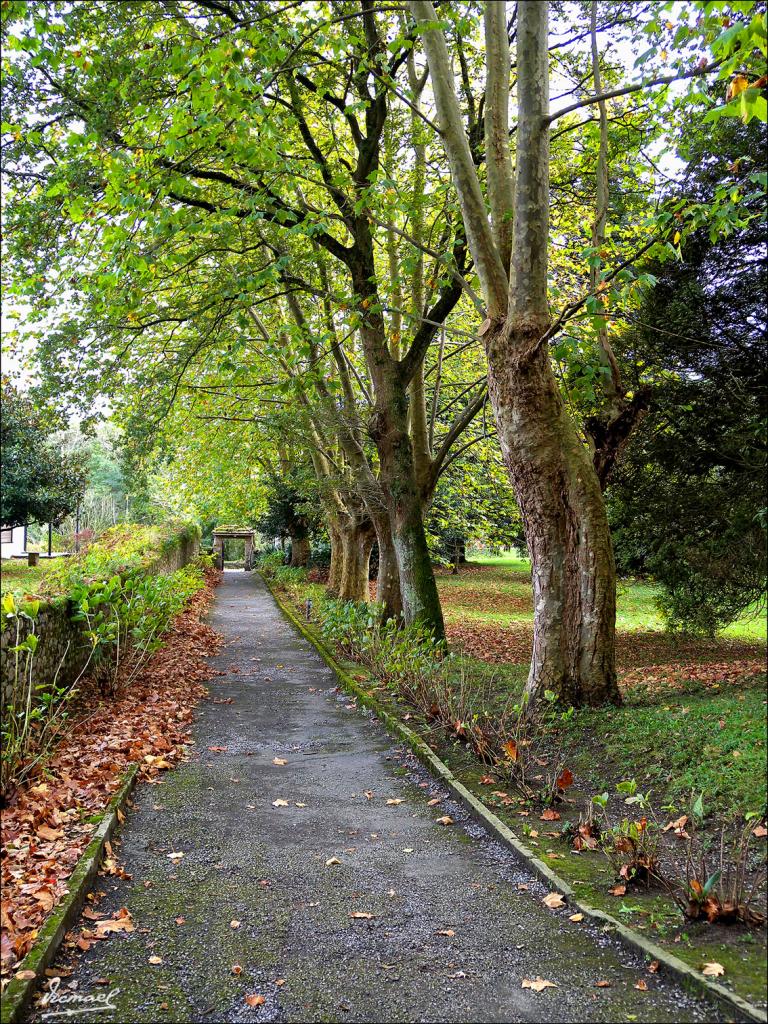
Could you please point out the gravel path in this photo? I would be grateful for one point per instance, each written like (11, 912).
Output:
(456, 924)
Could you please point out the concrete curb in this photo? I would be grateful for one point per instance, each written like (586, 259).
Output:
(18, 994)
(684, 973)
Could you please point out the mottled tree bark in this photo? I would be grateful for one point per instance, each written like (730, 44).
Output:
(558, 490)
(356, 543)
(388, 593)
(299, 552)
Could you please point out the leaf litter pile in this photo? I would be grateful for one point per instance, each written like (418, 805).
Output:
(50, 822)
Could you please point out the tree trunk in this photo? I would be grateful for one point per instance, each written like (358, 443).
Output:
(356, 542)
(337, 560)
(566, 527)
(388, 593)
(421, 602)
(299, 551)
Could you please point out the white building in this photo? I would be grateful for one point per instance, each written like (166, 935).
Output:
(12, 541)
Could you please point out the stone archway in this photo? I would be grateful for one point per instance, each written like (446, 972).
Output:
(233, 533)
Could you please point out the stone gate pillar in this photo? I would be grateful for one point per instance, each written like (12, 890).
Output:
(218, 551)
(249, 553)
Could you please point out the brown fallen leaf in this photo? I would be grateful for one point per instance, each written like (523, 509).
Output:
(280, 982)
(255, 1000)
(218, 750)
(760, 831)
(279, 760)
(537, 984)
(713, 970)
(602, 984)
(361, 915)
(25, 975)
(554, 900)
(446, 931)
(487, 780)
(435, 801)
(653, 967)
(237, 969)
(445, 820)
(45, 832)
(155, 960)
(331, 861)
(393, 802)
(618, 890)
(234, 924)
(641, 985)
(368, 794)
(106, 927)
(180, 920)
(550, 814)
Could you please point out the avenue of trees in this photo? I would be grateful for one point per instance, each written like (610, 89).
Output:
(497, 264)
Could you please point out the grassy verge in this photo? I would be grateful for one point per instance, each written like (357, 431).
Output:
(17, 576)
(694, 726)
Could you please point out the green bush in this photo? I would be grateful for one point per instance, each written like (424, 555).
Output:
(408, 659)
(270, 562)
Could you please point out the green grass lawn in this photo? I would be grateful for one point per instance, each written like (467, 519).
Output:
(17, 576)
(636, 600)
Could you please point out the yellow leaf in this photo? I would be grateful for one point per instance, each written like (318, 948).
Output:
(554, 901)
(737, 85)
(576, 918)
(677, 238)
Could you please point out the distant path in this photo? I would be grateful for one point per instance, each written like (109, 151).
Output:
(265, 866)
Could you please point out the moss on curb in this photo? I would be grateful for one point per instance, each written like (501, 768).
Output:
(689, 978)
(18, 994)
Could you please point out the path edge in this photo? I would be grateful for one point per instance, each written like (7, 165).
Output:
(18, 994)
(689, 978)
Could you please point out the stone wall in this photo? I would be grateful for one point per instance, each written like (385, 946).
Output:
(61, 646)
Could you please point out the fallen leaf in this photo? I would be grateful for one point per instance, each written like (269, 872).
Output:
(554, 901)
(446, 931)
(155, 960)
(713, 970)
(487, 780)
(445, 820)
(280, 982)
(760, 831)
(25, 975)
(537, 984)
(298, 804)
(394, 801)
(576, 918)
(180, 920)
(653, 967)
(550, 814)
(234, 924)
(106, 927)
(564, 779)
(279, 803)
(279, 760)
(217, 750)
(331, 861)
(174, 856)
(368, 794)
(45, 832)
(255, 1000)
(237, 969)
(435, 801)
(641, 985)
(602, 984)
(618, 890)
(361, 915)
(510, 749)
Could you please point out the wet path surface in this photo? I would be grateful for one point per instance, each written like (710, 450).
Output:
(457, 923)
